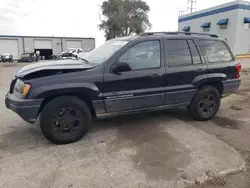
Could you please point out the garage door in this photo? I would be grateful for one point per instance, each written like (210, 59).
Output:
(9, 46)
(42, 44)
(73, 44)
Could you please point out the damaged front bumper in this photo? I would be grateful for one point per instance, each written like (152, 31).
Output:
(27, 109)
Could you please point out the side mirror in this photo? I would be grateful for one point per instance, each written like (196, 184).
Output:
(121, 67)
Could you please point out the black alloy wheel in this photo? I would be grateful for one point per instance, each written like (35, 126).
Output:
(65, 119)
(205, 104)
(208, 104)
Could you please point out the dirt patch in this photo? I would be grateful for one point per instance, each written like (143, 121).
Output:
(243, 92)
(236, 108)
(218, 181)
(226, 122)
(180, 113)
(158, 155)
(21, 139)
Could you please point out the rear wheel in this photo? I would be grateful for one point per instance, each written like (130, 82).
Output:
(205, 103)
(65, 120)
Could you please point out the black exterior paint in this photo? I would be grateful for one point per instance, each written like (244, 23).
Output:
(144, 88)
(127, 92)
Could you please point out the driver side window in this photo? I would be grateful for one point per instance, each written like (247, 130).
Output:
(144, 55)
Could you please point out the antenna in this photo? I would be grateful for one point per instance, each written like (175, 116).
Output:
(191, 5)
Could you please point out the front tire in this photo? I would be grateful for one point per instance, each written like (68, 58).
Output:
(205, 103)
(65, 120)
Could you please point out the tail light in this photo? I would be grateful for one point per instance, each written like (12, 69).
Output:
(238, 70)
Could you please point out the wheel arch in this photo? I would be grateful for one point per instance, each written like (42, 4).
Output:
(217, 84)
(81, 95)
(215, 80)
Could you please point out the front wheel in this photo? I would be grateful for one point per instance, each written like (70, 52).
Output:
(65, 120)
(205, 103)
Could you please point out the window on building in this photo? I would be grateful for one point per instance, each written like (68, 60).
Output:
(206, 29)
(247, 25)
(216, 51)
(194, 51)
(247, 22)
(223, 23)
(223, 26)
(178, 53)
(206, 26)
(144, 55)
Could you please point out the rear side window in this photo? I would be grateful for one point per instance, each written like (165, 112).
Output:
(194, 51)
(216, 51)
(178, 53)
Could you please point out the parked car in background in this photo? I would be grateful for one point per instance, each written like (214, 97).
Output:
(81, 55)
(56, 57)
(7, 57)
(71, 53)
(29, 57)
(152, 71)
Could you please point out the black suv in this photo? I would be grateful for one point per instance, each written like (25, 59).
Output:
(151, 71)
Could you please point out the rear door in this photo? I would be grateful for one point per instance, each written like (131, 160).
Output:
(220, 59)
(184, 65)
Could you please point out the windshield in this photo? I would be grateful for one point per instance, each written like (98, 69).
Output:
(102, 53)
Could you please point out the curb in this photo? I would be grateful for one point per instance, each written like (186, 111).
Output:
(243, 56)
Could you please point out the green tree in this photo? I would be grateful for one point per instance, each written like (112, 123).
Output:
(124, 17)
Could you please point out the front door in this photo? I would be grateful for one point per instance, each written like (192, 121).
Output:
(142, 86)
(185, 66)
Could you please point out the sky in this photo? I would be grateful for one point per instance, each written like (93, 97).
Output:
(80, 18)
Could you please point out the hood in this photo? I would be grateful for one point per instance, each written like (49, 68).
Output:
(68, 64)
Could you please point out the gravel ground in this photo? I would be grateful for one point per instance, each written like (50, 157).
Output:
(160, 149)
(232, 126)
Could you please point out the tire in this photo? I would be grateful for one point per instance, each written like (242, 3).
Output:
(65, 120)
(205, 103)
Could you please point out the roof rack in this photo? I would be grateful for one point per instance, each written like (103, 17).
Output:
(177, 33)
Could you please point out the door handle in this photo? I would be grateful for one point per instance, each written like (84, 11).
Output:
(154, 75)
(200, 70)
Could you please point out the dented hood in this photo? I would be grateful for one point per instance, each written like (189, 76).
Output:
(68, 64)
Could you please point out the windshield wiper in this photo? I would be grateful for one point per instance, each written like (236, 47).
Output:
(86, 61)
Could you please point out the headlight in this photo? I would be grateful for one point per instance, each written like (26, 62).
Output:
(21, 88)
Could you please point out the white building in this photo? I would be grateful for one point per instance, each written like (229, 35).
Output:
(47, 46)
(230, 21)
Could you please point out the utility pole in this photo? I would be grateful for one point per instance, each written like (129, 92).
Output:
(191, 5)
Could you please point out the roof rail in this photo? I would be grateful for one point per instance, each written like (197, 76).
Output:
(177, 33)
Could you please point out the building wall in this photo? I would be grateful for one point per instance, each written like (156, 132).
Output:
(29, 43)
(237, 36)
(229, 33)
(58, 44)
(87, 44)
(19, 41)
(242, 42)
